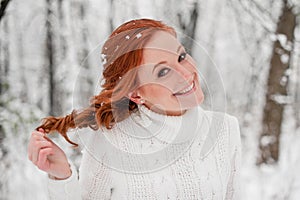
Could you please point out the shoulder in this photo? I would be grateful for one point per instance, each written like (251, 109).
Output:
(221, 119)
(218, 114)
(224, 128)
(93, 143)
(229, 129)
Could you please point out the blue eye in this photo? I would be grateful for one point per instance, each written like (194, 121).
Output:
(163, 72)
(181, 57)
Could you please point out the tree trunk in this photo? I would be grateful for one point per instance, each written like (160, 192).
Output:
(85, 82)
(277, 87)
(296, 91)
(4, 86)
(3, 164)
(296, 106)
(23, 79)
(3, 6)
(111, 16)
(189, 28)
(4, 59)
(50, 57)
(62, 38)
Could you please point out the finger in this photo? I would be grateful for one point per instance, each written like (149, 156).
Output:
(35, 136)
(43, 162)
(48, 139)
(29, 155)
(37, 148)
(41, 130)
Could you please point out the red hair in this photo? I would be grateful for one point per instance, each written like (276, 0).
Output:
(121, 53)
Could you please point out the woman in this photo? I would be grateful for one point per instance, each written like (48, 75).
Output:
(149, 137)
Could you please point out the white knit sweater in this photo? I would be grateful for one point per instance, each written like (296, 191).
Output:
(153, 156)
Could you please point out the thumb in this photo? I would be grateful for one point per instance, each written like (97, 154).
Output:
(41, 130)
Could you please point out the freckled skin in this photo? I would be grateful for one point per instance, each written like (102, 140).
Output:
(158, 92)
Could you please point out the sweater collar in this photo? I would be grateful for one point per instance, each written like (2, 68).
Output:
(168, 129)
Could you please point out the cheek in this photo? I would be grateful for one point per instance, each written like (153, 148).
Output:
(191, 60)
(154, 93)
(192, 64)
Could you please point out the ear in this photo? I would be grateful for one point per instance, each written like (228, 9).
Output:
(135, 97)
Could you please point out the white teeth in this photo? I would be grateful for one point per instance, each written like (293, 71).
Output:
(186, 90)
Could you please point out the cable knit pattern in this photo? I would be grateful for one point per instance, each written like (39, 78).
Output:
(151, 156)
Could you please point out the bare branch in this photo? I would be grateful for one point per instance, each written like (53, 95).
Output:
(262, 22)
(263, 11)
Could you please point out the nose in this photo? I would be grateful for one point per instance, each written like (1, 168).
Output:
(185, 74)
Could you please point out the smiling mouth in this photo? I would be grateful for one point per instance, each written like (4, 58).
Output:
(186, 90)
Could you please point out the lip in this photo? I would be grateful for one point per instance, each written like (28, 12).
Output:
(189, 89)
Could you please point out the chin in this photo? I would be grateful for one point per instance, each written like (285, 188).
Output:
(193, 102)
(201, 99)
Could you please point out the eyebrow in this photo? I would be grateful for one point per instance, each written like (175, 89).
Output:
(164, 62)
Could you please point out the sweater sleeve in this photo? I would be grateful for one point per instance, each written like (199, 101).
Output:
(93, 181)
(95, 176)
(65, 189)
(233, 185)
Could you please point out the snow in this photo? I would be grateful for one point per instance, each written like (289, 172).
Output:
(266, 140)
(103, 56)
(138, 35)
(288, 72)
(104, 61)
(236, 52)
(280, 181)
(282, 99)
(283, 81)
(287, 45)
(117, 47)
(284, 58)
(273, 37)
(282, 39)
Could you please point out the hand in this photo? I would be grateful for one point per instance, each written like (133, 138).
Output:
(47, 156)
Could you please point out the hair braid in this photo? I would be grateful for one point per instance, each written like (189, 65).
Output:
(122, 52)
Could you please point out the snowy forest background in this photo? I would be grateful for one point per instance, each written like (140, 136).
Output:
(50, 64)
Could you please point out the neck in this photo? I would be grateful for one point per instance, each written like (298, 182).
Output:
(161, 111)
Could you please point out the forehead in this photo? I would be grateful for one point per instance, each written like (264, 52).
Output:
(160, 42)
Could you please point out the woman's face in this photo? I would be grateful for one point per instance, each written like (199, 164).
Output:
(168, 78)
